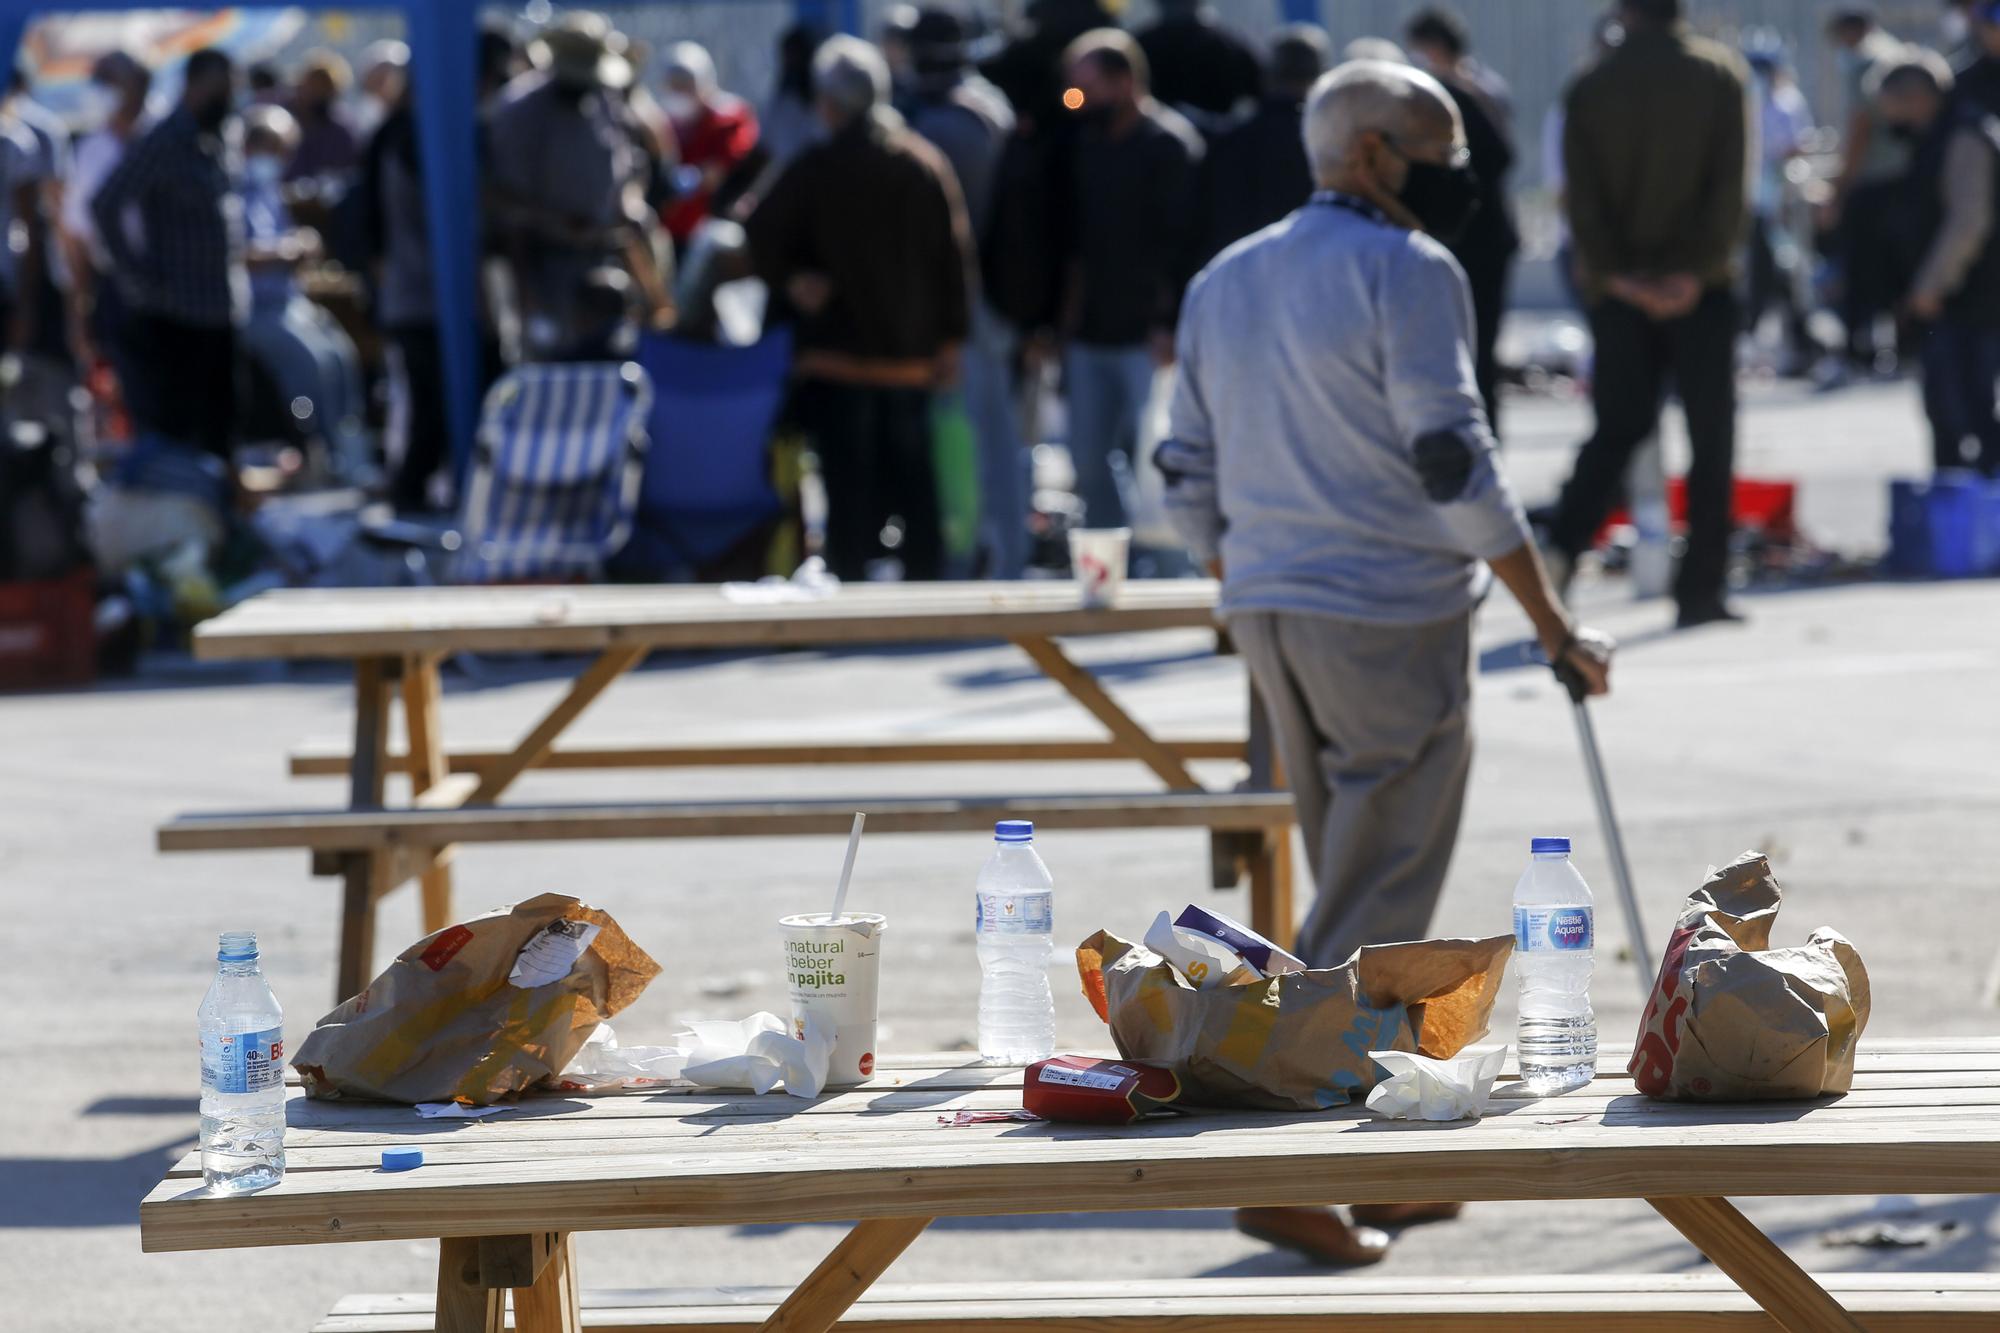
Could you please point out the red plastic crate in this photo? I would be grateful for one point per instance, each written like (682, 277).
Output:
(48, 633)
(1769, 507)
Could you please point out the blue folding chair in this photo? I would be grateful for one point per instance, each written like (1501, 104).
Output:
(555, 475)
(708, 485)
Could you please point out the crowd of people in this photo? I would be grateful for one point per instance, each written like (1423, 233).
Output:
(952, 208)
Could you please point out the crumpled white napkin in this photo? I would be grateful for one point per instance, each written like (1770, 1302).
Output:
(755, 1054)
(1420, 1088)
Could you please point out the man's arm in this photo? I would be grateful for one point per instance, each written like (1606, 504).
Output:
(956, 255)
(1186, 458)
(1968, 222)
(126, 185)
(1592, 217)
(1176, 233)
(1724, 215)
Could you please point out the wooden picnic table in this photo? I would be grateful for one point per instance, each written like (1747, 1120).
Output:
(397, 639)
(506, 1195)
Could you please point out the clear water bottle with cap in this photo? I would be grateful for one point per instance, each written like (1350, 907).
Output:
(1015, 928)
(1553, 934)
(242, 1073)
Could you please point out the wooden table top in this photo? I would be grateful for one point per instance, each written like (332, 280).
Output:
(390, 622)
(1924, 1117)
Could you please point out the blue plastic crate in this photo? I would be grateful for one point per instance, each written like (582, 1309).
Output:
(1947, 527)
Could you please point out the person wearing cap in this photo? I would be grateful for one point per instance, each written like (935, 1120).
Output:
(717, 134)
(1327, 454)
(969, 121)
(1953, 194)
(1256, 172)
(566, 166)
(864, 244)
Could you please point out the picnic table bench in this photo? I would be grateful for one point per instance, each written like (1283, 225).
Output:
(398, 637)
(506, 1196)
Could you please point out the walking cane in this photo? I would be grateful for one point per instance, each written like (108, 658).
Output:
(1593, 764)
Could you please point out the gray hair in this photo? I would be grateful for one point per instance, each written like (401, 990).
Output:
(1366, 95)
(850, 75)
(691, 61)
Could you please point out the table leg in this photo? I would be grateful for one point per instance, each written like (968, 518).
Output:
(359, 870)
(1754, 1262)
(1272, 911)
(423, 703)
(841, 1278)
(464, 1303)
(551, 1305)
(1085, 689)
(610, 665)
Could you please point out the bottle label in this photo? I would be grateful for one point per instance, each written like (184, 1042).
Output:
(1009, 914)
(1108, 1079)
(243, 1061)
(1546, 929)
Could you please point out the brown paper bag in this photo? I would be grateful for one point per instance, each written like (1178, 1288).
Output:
(480, 1010)
(1299, 1041)
(1732, 1019)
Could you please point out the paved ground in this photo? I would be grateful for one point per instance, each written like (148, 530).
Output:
(1850, 732)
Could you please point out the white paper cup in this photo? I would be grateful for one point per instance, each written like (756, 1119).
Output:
(1099, 557)
(832, 967)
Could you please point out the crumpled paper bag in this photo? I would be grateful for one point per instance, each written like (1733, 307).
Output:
(1299, 1041)
(1732, 1019)
(755, 1054)
(480, 1010)
(1420, 1088)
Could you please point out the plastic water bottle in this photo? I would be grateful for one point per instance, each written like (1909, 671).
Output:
(1015, 929)
(1553, 932)
(242, 1073)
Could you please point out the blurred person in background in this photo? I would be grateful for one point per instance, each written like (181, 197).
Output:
(1029, 67)
(1655, 152)
(1133, 242)
(1862, 208)
(1329, 459)
(262, 85)
(112, 115)
(787, 124)
(1487, 242)
(178, 258)
(307, 356)
(1784, 127)
(1976, 79)
(1442, 44)
(717, 134)
(864, 244)
(1256, 172)
(566, 165)
(1953, 192)
(1198, 66)
(327, 144)
(31, 271)
(969, 122)
(385, 74)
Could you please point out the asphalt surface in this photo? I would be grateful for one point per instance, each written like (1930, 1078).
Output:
(1849, 731)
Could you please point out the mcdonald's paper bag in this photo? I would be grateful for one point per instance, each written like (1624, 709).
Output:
(479, 1011)
(1300, 1040)
(1732, 1019)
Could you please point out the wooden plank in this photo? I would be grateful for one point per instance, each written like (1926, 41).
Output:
(609, 666)
(307, 623)
(360, 870)
(863, 1255)
(1087, 690)
(332, 760)
(338, 830)
(550, 1304)
(516, 1261)
(1904, 1303)
(463, 1304)
(965, 1173)
(1765, 1272)
(423, 717)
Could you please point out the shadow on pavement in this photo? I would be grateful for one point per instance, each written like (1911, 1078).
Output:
(46, 1192)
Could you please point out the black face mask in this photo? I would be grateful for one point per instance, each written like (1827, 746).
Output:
(1442, 199)
(1904, 133)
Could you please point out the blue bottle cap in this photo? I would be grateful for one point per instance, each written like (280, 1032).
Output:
(1014, 830)
(402, 1159)
(1540, 845)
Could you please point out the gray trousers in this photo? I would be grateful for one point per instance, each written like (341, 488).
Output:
(1373, 723)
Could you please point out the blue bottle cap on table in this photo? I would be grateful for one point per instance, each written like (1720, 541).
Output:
(1549, 845)
(402, 1159)
(1014, 830)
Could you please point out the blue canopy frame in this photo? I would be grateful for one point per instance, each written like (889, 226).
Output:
(443, 39)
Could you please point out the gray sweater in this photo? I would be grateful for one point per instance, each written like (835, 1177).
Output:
(1327, 440)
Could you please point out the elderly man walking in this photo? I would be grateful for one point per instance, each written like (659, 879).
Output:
(1329, 452)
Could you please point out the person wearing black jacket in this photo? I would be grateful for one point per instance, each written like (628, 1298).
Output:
(1256, 172)
(1199, 66)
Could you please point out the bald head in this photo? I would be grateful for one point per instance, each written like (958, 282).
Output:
(1396, 103)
